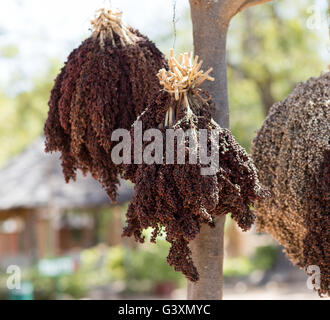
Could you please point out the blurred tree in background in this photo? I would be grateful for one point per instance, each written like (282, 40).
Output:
(270, 49)
(23, 115)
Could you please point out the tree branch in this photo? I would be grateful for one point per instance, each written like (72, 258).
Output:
(251, 3)
(226, 9)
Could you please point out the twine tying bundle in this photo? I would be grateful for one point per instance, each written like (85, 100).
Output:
(183, 78)
(107, 22)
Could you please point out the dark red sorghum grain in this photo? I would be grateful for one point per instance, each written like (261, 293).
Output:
(176, 198)
(105, 83)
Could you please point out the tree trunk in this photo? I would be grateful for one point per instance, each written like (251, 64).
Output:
(210, 34)
(265, 90)
(210, 20)
(207, 253)
(207, 249)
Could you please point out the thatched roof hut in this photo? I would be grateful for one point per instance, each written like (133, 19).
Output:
(39, 211)
(34, 179)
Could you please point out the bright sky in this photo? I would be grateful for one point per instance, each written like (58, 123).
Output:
(44, 29)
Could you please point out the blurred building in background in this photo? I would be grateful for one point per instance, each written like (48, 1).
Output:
(42, 216)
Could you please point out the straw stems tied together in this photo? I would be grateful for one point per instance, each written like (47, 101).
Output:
(183, 77)
(107, 22)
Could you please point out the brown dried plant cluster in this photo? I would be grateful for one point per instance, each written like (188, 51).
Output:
(105, 83)
(110, 81)
(176, 198)
(292, 154)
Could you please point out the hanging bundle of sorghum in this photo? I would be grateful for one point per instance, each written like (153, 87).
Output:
(174, 195)
(292, 153)
(106, 82)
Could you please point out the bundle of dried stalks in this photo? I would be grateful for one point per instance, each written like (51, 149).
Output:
(105, 83)
(292, 153)
(176, 197)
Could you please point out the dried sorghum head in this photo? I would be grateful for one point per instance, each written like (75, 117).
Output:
(105, 83)
(292, 154)
(177, 198)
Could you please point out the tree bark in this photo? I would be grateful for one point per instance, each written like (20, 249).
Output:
(207, 253)
(210, 19)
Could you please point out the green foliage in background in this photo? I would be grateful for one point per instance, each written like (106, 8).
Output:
(262, 259)
(23, 115)
(136, 271)
(270, 49)
(147, 266)
(9, 51)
